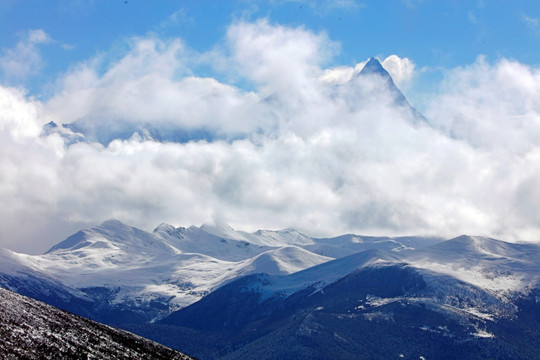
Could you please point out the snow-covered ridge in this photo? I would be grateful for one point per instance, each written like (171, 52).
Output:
(327, 273)
(112, 235)
(282, 261)
(176, 267)
(484, 262)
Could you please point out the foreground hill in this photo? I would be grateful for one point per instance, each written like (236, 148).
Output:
(30, 329)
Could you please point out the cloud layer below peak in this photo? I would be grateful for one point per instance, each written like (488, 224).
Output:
(311, 147)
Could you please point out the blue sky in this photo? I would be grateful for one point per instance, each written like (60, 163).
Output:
(252, 113)
(435, 35)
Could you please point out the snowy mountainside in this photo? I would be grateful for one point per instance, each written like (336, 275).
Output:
(283, 237)
(377, 311)
(163, 270)
(491, 264)
(450, 270)
(344, 245)
(210, 241)
(317, 277)
(112, 237)
(282, 261)
(117, 273)
(19, 273)
(441, 309)
(31, 329)
(497, 267)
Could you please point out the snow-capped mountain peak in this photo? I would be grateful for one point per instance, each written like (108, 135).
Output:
(182, 237)
(374, 69)
(112, 236)
(222, 230)
(373, 66)
(285, 237)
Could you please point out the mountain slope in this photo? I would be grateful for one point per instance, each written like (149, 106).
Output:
(491, 264)
(261, 292)
(374, 69)
(33, 330)
(223, 293)
(18, 272)
(377, 312)
(282, 261)
(345, 245)
(380, 310)
(224, 245)
(112, 237)
(120, 273)
(468, 297)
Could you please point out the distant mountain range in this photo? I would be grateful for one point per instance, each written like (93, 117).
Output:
(147, 275)
(215, 292)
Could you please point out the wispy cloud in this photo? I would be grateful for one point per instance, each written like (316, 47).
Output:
(471, 16)
(177, 18)
(533, 24)
(24, 59)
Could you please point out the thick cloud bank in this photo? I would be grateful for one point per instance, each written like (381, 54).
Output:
(315, 148)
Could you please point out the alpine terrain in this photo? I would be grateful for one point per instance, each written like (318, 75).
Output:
(214, 292)
(218, 293)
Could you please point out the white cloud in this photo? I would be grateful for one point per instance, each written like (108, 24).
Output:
(24, 59)
(327, 157)
(150, 85)
(28, 171)
(38, 37)
(401, 69)
(493, 107)
(278, 58)
(341, 74)
(19, 116)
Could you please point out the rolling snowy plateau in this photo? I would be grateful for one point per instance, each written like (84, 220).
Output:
(179, 286)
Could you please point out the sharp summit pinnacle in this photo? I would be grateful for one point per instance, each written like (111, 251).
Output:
(373, 66)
